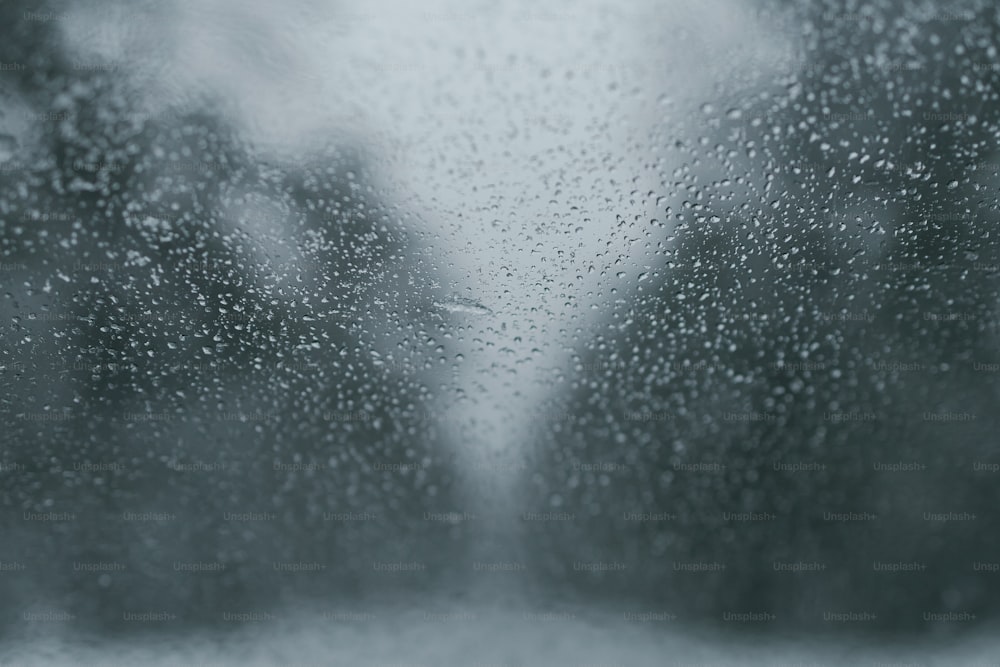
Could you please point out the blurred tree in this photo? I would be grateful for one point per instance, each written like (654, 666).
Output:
(826, 299)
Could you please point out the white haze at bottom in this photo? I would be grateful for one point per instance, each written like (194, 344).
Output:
(448, 635)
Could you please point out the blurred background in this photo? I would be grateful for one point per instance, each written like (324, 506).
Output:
(478, 333)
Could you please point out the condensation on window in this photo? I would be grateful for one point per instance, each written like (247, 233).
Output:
(498, 333)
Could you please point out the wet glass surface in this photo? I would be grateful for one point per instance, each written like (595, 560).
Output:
(499, 333)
